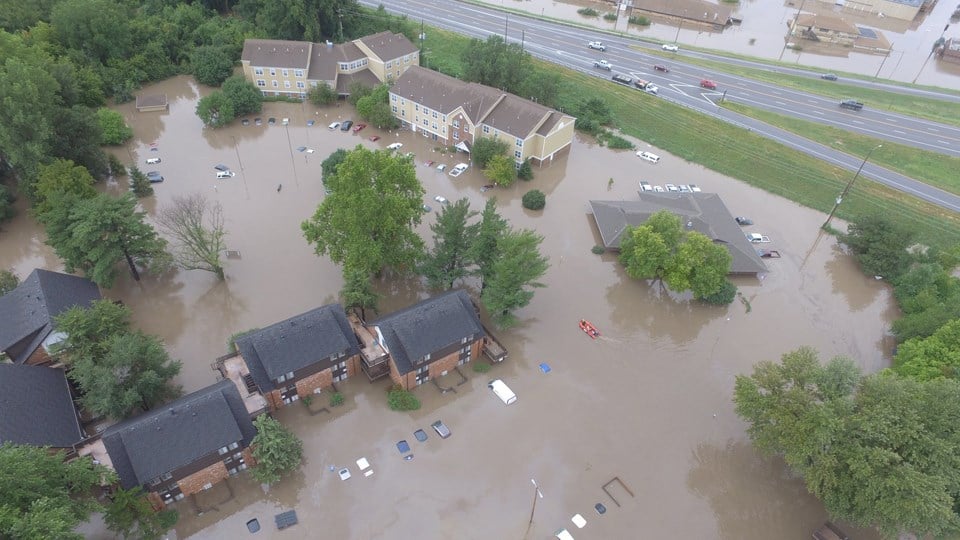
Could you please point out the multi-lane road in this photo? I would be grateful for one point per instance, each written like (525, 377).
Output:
(566, 46)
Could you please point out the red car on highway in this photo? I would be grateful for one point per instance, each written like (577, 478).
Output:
(662, 68)
(707, 83)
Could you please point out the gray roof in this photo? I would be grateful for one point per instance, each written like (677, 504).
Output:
(364, 77)
(482, 104)
(36, 407)
(178, 433)
(387, 45)
(27, 312)
(704, 212)
(276, 53)
(296, 343)
(325, 57)
(429, 326)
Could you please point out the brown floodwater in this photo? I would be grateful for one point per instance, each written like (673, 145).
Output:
(764, 28)
(648, 403)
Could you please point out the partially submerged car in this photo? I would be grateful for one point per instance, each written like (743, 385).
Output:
(154, 177)
(442, 430)
(395, 146)
(459, 169)
(743, 221)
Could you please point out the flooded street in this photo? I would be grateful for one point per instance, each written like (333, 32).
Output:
(764, 27)
(648, 403)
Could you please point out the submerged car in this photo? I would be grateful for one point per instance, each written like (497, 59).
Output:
(347, 124)
(442, 430)
(459, 169)
(154, 177)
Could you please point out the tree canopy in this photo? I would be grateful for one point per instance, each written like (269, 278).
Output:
(486, 148)
(452, 238)
(484, 251)
(367, 222)
(878, 451)
(276, 449)
(60, 177)
(44, 496)
(89, 330)
(113, 126)
(932, 357)
(516, 270)
(501, 170)
(880, 244)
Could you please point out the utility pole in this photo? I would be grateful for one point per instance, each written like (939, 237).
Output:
(890, 50)
(849, 185)
(506, 25)
(536, 494)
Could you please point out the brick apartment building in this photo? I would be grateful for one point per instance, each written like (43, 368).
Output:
(291, 68)
(301, 355)
(185, 446)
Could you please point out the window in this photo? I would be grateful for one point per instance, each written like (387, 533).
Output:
(394, 108)
(285, 377)
(389, 64)
(286, 84)
(406, 59)
(426, 122)
(444, 119)
(456, 135)
(298, 73)
(313, 84)
(273, 72)
(423, 374)
(286, 73)
(389, 76)
(222, 450)
(434, 125)
(258, 71)
(178, 497)
(456, 123)
(166, 476)
(403, 112)
(207, 486)
(300, 84)
(426, 357)
(416, 106)
(234, 446)
(275, 85)
(261, 83)
(403, 101)
(465, 339)
(517, 154)
(435, 114)
(344, 66)
(393, 98)
(519, 143)
(486, 129)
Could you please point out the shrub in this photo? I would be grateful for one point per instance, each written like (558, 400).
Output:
(399, 399)
(113, 127)
(724, 296)
(598, 250)
(588, 12)
(534, 200)
(117, 169)
(614, 142)
(609, 16)
(336, 399)
(481, 367)
(639, 20)
(307, 401)
(322, 94)
(486, 148)
(525, 172)
(8, 281)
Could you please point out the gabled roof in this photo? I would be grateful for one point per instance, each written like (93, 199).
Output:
(27, 312)
(482, 104)
(178, 433)
(325, 57)
(429, 326)
(702, 212)
(387, 45)
(296, 343)
(364, 77)
(276, 53)
(36, 407)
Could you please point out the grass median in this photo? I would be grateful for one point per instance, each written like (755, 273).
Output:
(729, 150)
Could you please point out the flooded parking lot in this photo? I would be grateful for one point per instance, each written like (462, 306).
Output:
(648, 403)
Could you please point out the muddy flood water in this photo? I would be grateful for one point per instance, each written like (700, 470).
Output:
(764, 27)
(649, 403)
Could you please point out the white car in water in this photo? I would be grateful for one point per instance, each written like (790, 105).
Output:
(459, 169)
(395, 146)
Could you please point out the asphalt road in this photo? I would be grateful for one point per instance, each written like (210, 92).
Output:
(566, 46)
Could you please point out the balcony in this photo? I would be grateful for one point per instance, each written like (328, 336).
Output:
(234, 368)
(492, 348)
(372, 355)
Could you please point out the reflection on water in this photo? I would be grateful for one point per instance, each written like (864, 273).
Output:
(634, 404)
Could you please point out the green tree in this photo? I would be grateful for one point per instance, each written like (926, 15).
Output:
(358, 291)
(367, 222)
(525, 172)
(27, 119)
(541, 86)
(130, 515)
(502, 170)
(929, 296)
(8, 281)
(114, 128)
(117, 168)
(90, 330)
(932, 357)
(725, 295)
(534, 200)
(60, 177)
(139, 183)
(375, 108)
(197, 226)
(484, 251)
(245, 96)
(644, 253)
(698, 265)
(452, 239)
(486, 148)
(134, 375)
(518, 266)
(322, 94)
(276, 449)
(211, 65)
(357, 91)
(100, 232)
(98, 28)
(77, 134)
(399, 399)
(877, 450)
(7, 199)
(328, 167)
(215, 109)
(880, 244)
(496, 63)
(44, 496)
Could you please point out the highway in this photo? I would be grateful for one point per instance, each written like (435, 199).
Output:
(566, 46)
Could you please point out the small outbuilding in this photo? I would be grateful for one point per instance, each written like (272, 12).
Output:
(152, 102)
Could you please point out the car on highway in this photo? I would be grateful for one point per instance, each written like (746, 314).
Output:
(661, 67)
(442, 430)
(622, 79)
(829, 77)
(851, 104)
(672, 47)
(597, 45)
(708, 84)
(603, 64)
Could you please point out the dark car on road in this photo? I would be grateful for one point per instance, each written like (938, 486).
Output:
(743, 222)
(622, 79)
(828, 77)
(851, 104)
(346, 125)
(662, 68)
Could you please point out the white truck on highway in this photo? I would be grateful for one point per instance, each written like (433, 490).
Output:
(646, 86)
(597, 45)
(603, 64)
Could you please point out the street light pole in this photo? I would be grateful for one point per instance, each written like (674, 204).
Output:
(536, 494)
(676, 37)
(849, 185)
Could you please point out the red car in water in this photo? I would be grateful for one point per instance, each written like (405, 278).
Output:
(374, 138)
(358, 127)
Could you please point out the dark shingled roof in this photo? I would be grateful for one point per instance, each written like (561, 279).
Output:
(36, 407)
(364, 77)
(705, 212)
(388, 46)
(324, 60)
(429, 326)
(296, 343)
(276, 53)
(178, 433)
(27, 312)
